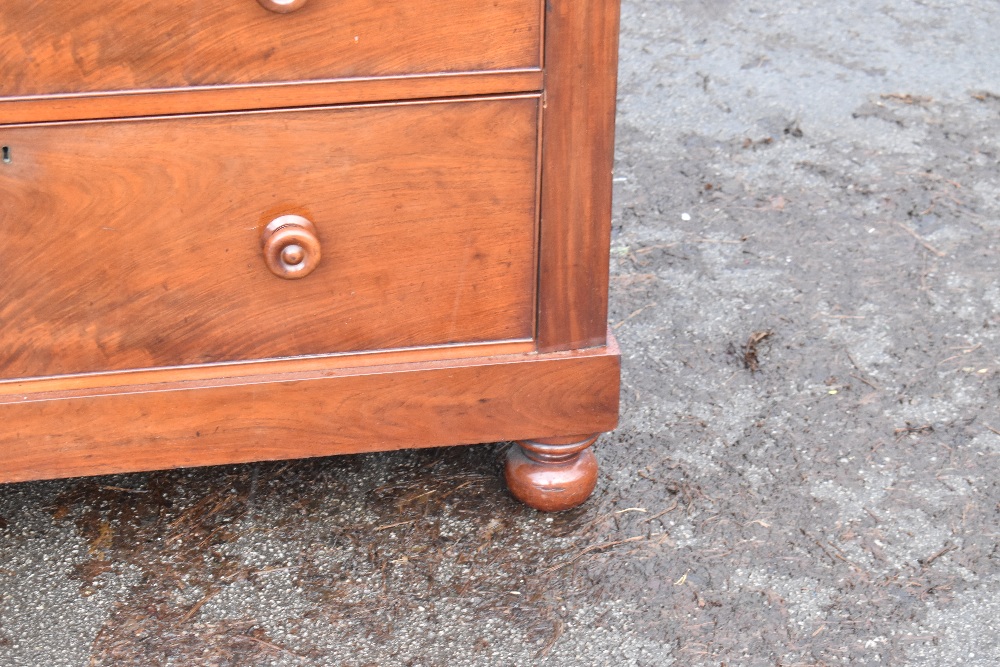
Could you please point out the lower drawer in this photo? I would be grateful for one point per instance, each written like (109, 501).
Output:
(138, 243)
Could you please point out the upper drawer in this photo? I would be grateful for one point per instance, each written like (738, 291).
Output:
(78, 46)
(140, 243)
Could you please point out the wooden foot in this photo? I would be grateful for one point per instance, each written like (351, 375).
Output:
(552, 474)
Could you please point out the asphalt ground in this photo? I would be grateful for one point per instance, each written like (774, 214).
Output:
(804, 265)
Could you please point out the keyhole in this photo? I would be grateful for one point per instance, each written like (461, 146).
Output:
(6, 154)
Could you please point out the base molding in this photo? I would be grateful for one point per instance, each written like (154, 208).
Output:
(337, 410)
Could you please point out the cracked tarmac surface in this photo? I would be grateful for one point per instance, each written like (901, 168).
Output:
(820, 178)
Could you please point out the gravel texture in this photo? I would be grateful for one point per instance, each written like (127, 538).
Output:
(804, 264)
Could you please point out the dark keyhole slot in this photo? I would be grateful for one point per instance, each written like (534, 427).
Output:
(6, 153)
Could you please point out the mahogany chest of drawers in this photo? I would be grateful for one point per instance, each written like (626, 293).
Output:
(241, 230)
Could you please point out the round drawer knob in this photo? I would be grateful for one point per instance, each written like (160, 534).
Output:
(291, 247)
(281, 6)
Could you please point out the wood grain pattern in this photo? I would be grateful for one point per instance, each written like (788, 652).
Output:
(136, 244)
(552, 474)
(282, 6)
(581, 56)
(264, 96)
(69, 46)
(290, 247)
(140, 325)
(111, 382)
(312, 414)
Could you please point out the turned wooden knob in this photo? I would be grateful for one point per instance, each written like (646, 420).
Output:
(281, 6)
(552, 474)
(291, 247)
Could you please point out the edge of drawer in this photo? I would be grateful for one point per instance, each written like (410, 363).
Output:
(54, 387)
(160, 102)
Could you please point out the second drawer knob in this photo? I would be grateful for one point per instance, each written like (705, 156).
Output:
(291, 247)
(282, 6)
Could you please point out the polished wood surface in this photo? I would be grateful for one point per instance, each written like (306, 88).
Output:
(265, 96)
(281, 6)
(136, 244)
(581, 56)
(273, 96)
(242, 230)
(552, 474)
(290, 247)
(74, 46)
(110, 382)
(337, 411)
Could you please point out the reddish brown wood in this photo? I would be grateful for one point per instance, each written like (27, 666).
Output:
(581, 56)
(69, 46)
(281, 6)
(552, 474)
(316, 413)
(284, 95)
(290, 247)
(95, 384)
(139, 256)
(144, 235)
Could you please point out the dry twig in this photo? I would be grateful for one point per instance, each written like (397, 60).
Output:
(870, 384)
(921, 240)
(556, 634)
(634, 313)
(750, 359)
(197, 605)
(926, 562)
(913, 430)
(592, 548)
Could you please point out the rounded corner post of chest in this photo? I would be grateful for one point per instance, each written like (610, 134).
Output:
(581, 66)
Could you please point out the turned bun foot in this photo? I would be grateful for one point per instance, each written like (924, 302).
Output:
(552, 474)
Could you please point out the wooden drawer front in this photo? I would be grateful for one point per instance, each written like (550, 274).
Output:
(128, 244)
(84, 46)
